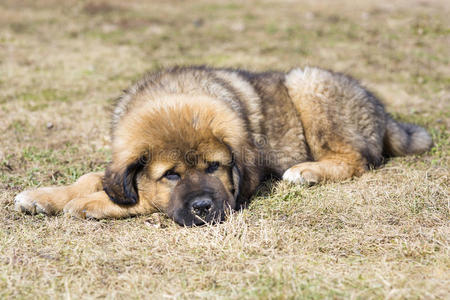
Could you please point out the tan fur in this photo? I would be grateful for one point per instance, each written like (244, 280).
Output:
(96, 205)
(333, 144)
(309, 125)
(51, 200)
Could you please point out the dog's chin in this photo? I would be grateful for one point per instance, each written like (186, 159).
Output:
(187, 218)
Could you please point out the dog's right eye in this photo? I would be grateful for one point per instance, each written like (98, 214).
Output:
(212, 167)
(171, 175)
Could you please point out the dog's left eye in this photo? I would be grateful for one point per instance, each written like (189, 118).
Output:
(212, 167)
(171, 175)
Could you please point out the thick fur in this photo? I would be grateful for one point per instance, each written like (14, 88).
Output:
(185, 130)
(405, 139)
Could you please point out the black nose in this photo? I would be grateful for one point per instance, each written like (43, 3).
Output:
(201, 205)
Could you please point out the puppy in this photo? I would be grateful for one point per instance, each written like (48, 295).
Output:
(193, 142)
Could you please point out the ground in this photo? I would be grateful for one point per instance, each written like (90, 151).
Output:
(383, 235)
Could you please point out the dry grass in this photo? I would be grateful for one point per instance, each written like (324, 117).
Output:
(384, 235)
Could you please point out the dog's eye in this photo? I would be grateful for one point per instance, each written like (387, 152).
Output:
(212, 167)
(171, 175)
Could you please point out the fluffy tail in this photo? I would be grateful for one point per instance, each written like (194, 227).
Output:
(404, 139)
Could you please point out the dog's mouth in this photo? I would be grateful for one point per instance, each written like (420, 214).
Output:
(199, 200)
(203, 212)
(197, 215)
(210, 217)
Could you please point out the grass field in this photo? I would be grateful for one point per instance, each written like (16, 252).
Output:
(383, 235)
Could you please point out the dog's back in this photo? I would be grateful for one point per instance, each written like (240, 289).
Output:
(293, 117)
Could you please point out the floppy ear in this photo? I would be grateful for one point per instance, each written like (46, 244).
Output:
(236, 175)
(242, 183)
(246, 177)
(121, 187)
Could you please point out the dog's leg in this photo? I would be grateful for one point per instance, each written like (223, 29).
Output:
(344, 125)
(332, 167)
(98, 206)
(51, 200)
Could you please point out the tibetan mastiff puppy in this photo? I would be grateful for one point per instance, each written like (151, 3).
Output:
(193, 142)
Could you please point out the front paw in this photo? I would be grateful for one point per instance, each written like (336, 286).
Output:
(34, 202)
(303, 173)
(84, 208)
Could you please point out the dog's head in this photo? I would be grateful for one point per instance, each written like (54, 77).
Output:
(181, 156)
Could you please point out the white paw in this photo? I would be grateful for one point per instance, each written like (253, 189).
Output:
(24, 202)
(294, 176)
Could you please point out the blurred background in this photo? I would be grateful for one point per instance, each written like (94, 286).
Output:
(403, 43)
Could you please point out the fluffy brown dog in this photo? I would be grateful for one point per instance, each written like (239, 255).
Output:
(194, 141)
